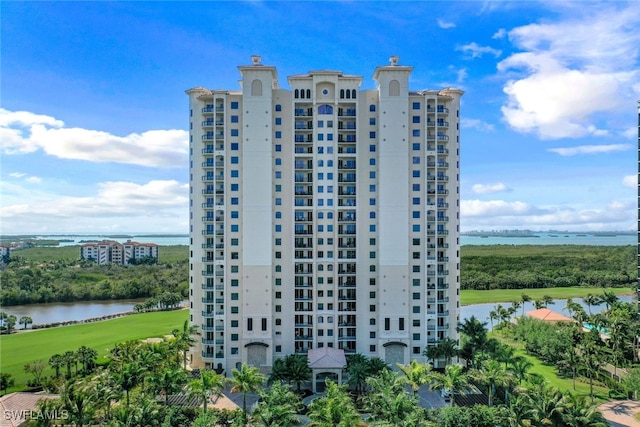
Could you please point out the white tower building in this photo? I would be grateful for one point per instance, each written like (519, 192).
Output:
(323, 216)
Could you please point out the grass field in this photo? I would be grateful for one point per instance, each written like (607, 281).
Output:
(507, 295)
(550, 374)
(23, 347)
(167, 254)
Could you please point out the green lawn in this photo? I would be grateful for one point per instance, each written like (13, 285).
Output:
(507, 295)
(23, 347)
(549, 373)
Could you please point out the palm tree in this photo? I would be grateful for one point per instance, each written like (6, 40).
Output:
(476, 337)
(608, 298)
(57, 361)
(69, 358)
(184, 339)
(447, 348)
(492, 375)
(210, 383)
(168, 381)
(518, 412)
(277, 407)
(416, 374)
(524, 298)
(546, 300)
(520, 368)
(591, 300)
(76, 400)
(579, 413)
(128, 378)
(335, 409)
(358, 370)
(247, 379)
(86, 356)
(591, 357)
(6, 381)
(25, 320)
(493, 315)
(377, 365)
(298, 370)
(454, 380)
(546, 403)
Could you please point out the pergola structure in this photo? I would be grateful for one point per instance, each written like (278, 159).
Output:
(326, 359)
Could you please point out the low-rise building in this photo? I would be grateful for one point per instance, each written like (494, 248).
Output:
(110, 251)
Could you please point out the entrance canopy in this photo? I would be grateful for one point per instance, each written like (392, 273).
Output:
(326, 359)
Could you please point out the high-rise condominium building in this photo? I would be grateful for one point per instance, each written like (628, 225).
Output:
(323, 216)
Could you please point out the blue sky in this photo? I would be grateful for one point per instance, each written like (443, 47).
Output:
(93, 115)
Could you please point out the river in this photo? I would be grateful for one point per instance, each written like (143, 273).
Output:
(60, 312)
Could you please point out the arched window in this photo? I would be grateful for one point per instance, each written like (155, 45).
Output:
(341, 93)
(372, 107)
(348, 94)
(309, 93)
(278, 268)
(394, 88)
(325, 109)
(256, 88)
(353, 93)
(296, 94)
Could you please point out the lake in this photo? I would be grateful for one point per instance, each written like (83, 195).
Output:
(60, 312)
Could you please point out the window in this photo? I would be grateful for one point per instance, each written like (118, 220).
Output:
(416, 323)
(234, 310)
(372, 188)
(416, 337)
(372, 148)
(372, 107)
(234, 337)
(416, 160)
(415, 200)
(234, 282)
(416, 269)
(234, 132)
(250, 324)
(234, 146)
(264, 324)
(235, 214)
(372, 294)
(278, 215)
(235, 174)
(416, 132)
(234, 228)
(234, 242)
(278, 243)
(416, 174)
(416, 309)
(278, 107)
(278, 228)
(278, 121)
(329, 137)
(278, 174)
(415, 214)
(320, 137)
(372, 175)
(416, 106)
(278, 134)
(415, 187)
(234, 119)
(372, 308)
(416, 295)
(234, 268)
(278, 201)
(401, 323)
(278, 308)
(278, 283)
(278, 188)
(372, 162)
(278, 349)
(372, 202)
(387, 324)
(235, 160)
(234, 323)
(278, 322)
(372, 334)
(372, 228)
(320, 123)
(278, 161)
(416, 146)
(372, 255)
(372, 214)
(372, 134)
(416, 119)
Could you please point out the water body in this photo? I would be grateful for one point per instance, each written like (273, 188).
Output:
(533, 239)
(67, 311)
(60, 312)
(558, 238)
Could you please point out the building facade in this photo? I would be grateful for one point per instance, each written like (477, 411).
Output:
(110, 251)
(323, 215)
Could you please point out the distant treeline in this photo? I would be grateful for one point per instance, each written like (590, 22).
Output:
(532, 266)
(81, 280)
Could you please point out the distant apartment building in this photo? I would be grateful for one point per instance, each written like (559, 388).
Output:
(5, 251)
(323, 216)
(110, 251)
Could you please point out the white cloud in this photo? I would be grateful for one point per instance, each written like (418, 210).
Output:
(501, 33)
(34, 179)
(630, 133)
(474, 50)
(24, 132)
(630, 181)
(17, 174)
(500, 214)
(151, 206)
(489, 188)
(572, 71)
(476, 124)
(445, 25)
(590, 149)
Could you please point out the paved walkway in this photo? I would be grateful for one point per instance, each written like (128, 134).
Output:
(619, 413)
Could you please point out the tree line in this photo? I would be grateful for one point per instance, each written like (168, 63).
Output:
(29, 282)
(528, 266)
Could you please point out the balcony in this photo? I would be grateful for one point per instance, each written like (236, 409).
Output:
(218, 273)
